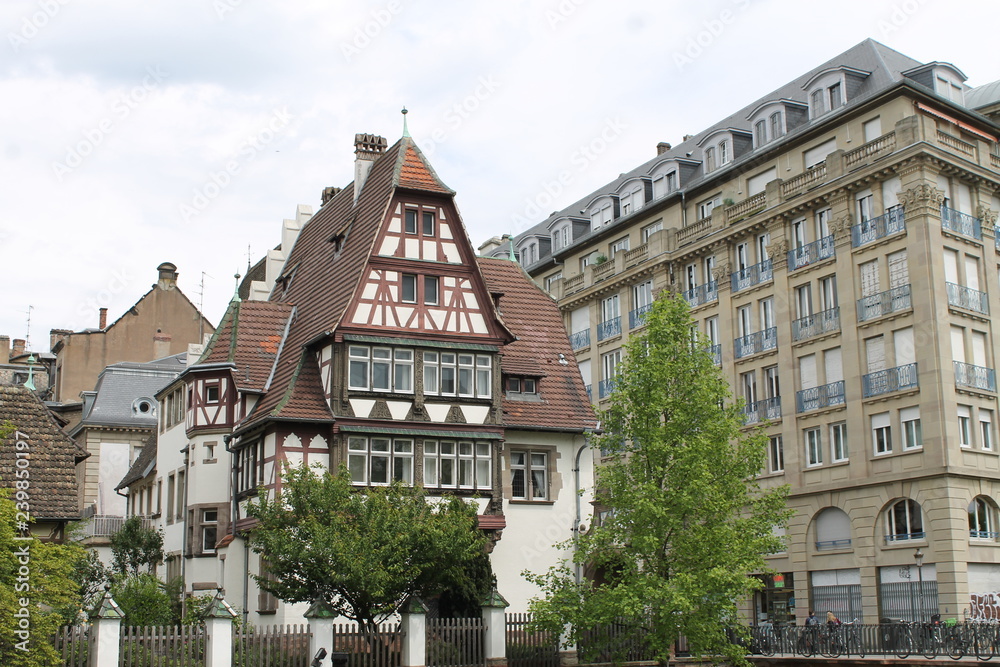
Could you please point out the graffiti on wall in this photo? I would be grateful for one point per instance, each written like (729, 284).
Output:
(985, 606)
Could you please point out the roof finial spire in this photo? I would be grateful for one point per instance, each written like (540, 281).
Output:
(30, 384)
(236, 293)
(406, 130)
(512, 257)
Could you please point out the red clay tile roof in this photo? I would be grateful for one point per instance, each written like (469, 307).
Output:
(541, 337)
(54, 491)
(259, 328)
(415, 173)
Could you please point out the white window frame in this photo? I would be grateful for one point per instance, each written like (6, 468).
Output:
(813, 437)
(395, 454)
(775, 454)
(838, 442)
(447, 373)
(986, 441)
(964, 426)
(532, 466)
(881, 434)
(909, 421)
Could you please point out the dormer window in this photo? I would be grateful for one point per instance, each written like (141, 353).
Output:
(602, 216)
(212, 393)
(560, 237)
(760, 132)
(777, 127)
(723, 152)
(829, 89)
(633, 200)
(522, 385)
(816, 102)
(529, 254)
(709, 159)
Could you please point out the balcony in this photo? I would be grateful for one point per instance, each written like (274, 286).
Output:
(605, 387)
(752, 275)
(760, 341)
(102, 525)
(961, 223)
(829, 545)
(816, 398)
(983, 534)
(811, 253)
(975, 377)
(884, 303)
(716, 352)
(580, 339)
(589, 395)
(635, 317)
(702, 294)
(889, 380)
(824, 322)
(967, 298)
(762, 411)
(902, 537)
(609, 328)
(877, 228)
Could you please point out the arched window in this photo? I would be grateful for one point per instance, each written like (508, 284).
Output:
(833, 529)
(723, 152)
(709, 159)
(982, 519)
(903, 521)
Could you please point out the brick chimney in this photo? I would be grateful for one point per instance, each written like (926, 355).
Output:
(168, 276)
(103, 322)
(18, 348)
(4, 349)
(662, 147)
(161, 345)
(367, 149)
(329, 193)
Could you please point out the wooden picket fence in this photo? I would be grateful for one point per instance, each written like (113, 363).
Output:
(162, 646)
(73, 644)
(381, 649)
(527, 648)
(455, 642)
(272, 646)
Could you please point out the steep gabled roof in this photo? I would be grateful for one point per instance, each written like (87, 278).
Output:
(249, 336)
(53, 455)
(540, 350)
(143, 465)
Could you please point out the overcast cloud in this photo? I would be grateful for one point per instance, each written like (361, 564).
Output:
(186, 130)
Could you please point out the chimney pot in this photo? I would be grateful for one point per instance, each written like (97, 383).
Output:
(104, 318)
(688, 136)
(662, 147)
(329, 193)
(367, 149)
(168, 276)
(4, 349)
(18, 348)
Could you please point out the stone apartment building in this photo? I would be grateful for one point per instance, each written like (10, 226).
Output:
(836, 242)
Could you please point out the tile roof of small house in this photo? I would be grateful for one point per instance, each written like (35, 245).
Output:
(143, 464)
(53, 455)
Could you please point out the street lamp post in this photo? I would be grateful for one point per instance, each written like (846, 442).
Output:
(918, 556)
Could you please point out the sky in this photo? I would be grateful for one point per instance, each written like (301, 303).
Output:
(187, 130)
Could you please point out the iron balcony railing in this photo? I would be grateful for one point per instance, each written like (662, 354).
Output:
(609, 328)
(968, 298)
(580, 339)
(883, 303)
(816, 251)
(826, 545)
(823, 322)
(589, 395)
(983, 534)
(975, 377)
(815, 398)
(961, 223)
(759, 341)
(103, 525)
(760, 411)
(696, 296)
(716, 352)
(902, 537)
(636, 317)
(889, 380)
(877, 228)
(605, 388)
(752, 275)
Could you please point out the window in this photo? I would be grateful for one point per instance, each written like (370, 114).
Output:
(431, 290)
(249, 468)
(411, 221)
(378, 461)
(709, 159)
(760, 132)
(881, 433)
(814, 447)
(909, 419)
(211, 393)
(209, 530)
(865, 207)
(408, 288)
(380, 368)
(428, 226)
(705, 207)
(771, 386)
(522, 385)
(723, 152)
(601, 217)
(618, 246)
(816, 102)
(803, 300)
(777, 128)
(836, 98)
(964, 426)
(464, 374)
(799, 233)
(529, 475)
(632, 201)
(529, 254)
(181, 495)
(838, 441)
(828, 292)
(823, 223)
(982, 519)
(560, 237)
(775, 454)
(462, 464)
(986, 429)
(872, 129)
(649, 230)
(904, 521)
(552, 280)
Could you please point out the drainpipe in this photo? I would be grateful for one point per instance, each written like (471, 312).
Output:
(576, 523)
(184, 527)
(234, 508)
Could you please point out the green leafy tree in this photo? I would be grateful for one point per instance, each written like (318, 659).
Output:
(135, 548)
(687, 522)
(144, 600)
(362, 553)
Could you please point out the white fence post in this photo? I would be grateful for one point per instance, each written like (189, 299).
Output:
(413, 623)
(494, 618)
(320, 618)
(107, 629)
(219, 632)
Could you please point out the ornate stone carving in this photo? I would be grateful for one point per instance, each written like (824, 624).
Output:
(841, 226)
(986, 215)
(922, 195)
(722, 272)
(778, 249)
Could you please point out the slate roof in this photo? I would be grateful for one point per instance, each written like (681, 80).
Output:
(54, 491)
(534, 318)
(142, 465)
(983, 96)
(249, 336)
(120, 385)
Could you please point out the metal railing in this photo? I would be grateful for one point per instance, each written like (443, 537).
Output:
(883, 303)
(760, 411)
(752, 275)
(967, 298)
(823, 396)
(609, 328)
(636, 317)
(580, 339)
(877, 228)
(810, 253)
(975, 377)
(605, 387)
(759, 341)
(103, 525)
(716, 352)
(823, 322)
(889, 380)
(826, 545)
(961, 223)
(696, 296)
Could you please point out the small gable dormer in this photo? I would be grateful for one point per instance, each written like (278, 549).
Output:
(832, 88)
(776, 118)
(602, 210)
(943, 78)
(671, 174)
(723, 146)
(533, 247)
(633, 194)
(564, 230)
